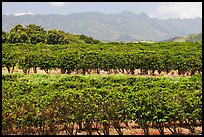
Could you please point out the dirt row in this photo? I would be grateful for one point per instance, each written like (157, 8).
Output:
(172, 73)
(133, 129)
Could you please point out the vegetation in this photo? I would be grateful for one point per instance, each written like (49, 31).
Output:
(110, 57)
(38, 104)
(33, 34)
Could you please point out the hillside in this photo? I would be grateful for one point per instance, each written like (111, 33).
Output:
(187, 38)
(125, 26)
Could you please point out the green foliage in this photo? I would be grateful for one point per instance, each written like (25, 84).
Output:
(166, 56)
(4, 37)
(30, 101)
(89, 40)
(53, 36)
(10, 57)
(36, 34)
(18, 35)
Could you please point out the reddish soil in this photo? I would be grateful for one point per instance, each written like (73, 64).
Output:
(172, 73)
(133, 129)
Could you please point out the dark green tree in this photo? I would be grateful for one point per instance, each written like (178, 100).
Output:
(4, 36)
(53, 36)
(35, 33)
(18, 35)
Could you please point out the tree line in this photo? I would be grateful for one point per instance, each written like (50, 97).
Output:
(34, 34)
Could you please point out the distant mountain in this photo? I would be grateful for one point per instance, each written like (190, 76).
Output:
(126, 38)
(187, 38)
(125, 26)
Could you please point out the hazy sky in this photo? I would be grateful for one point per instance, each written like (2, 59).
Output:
(161, 10)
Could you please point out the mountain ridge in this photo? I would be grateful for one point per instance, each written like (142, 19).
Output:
(109, 27)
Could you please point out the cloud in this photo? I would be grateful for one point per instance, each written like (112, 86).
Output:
(179, 10)
(20, 13)
(57, 4)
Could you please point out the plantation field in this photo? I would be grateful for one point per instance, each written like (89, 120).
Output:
(147, 58)
(95, 104)
(60, 83)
